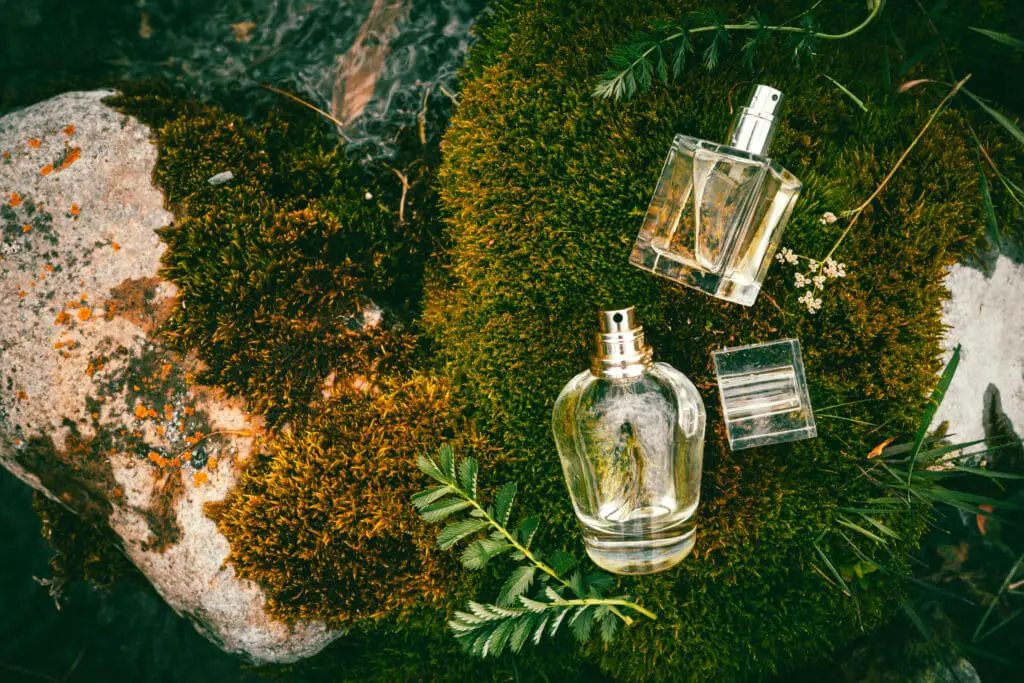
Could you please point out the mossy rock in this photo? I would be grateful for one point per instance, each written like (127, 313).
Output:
(544, 187)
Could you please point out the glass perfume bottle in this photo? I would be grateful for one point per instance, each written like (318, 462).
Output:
(718, 211)
(630, 435)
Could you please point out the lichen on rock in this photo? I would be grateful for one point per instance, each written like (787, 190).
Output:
(98, 413)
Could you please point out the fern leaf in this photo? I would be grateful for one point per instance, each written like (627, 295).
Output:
(456, 531)
(467, 476)
(424, 498)
(426, 465)
(562, 561)
(521, 632)
(539, 631)
(557, 621)
(503, 503)
(534, 605)
(581, 623)
(440, 510)
(478, 553)
(598, 582)
(527, 529)
(576, 583)
(446, 458)
(517, 583)
(496, 643)
(609, 624)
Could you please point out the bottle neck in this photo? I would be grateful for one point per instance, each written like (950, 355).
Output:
(754, 127)
(621, 355)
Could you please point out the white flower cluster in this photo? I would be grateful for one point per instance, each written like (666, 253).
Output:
(810, 302)
(828, 218)
(11, 248)
(818, 274)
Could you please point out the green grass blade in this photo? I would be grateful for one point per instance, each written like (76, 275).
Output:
(997, 598)
(1004, 38)
(1000, 118)
(832, 569)
(860, 530)
(933, 405)
(846, 91)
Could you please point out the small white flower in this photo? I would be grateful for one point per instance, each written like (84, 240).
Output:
(11, 248)
(819, 281)
(801, 281)
(368, 196)
(786, 255)
(828, 218)
(834, 268)
(814, 265)
(810, 302)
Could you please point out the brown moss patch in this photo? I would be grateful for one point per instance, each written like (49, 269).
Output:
(322, 521)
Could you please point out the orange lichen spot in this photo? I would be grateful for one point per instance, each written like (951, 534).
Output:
(46, 170)
(117, 491)
(189, 410)
(155, 457)
(22, 396)
(115, 246)
(6, 155)
(95, 416)
(140, 412)
(74, 155)
(22, 293)
(211, 463)
(161, 430)
(62, 318)
(135, 387)
(199, 478)
(174, 462)
(66, 354)
(17, 442)
(26, 228)
(85, 297)
(15, 199)
(84, 313)
(34, 143)
(58, 345)
(69, 130)
(48, 267)
(168, 411)
(74, 210)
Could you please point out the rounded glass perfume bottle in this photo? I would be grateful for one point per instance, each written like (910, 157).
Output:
(630, 435)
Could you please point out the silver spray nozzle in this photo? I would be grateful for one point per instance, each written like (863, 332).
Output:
(754, 127)
(621, 351)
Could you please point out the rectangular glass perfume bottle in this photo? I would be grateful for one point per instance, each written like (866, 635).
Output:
(630, 434)
(718, 211)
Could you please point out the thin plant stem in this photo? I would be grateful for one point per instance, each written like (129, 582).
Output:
(755, 27)
(551, 572)
(856, 213)
(309, 105)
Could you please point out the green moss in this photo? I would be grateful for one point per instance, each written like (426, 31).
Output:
(545, 187)
(275, 266)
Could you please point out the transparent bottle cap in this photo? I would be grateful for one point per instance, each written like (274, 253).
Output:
(763, 391)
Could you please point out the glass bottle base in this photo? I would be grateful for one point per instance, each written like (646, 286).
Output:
(640, 554)
(648, 257)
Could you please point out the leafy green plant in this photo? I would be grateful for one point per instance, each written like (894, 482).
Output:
(487, 629)
(662, 50)
(924, 470)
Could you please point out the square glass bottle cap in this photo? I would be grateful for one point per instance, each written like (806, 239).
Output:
(764, 394)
